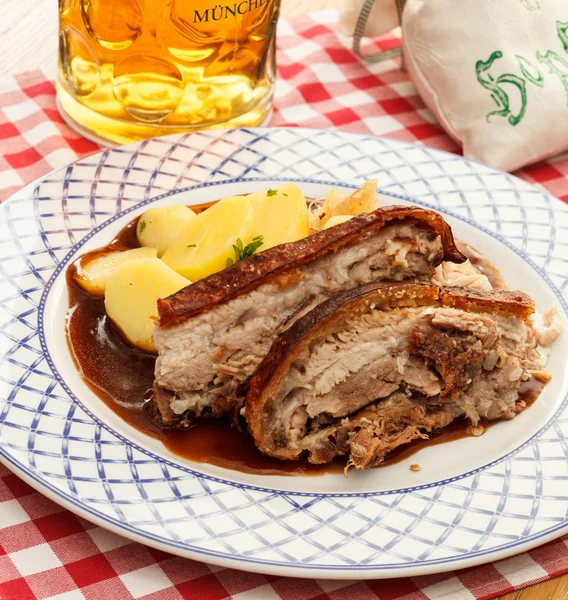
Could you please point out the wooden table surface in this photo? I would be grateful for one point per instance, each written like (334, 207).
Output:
(28, 40)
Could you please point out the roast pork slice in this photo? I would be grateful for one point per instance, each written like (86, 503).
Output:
(375, 367)
(476, 272)
(212, 335)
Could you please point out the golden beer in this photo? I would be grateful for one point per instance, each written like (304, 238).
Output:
(133, 69)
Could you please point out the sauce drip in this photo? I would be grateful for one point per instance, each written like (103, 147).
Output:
(122, 377)
(214, 441)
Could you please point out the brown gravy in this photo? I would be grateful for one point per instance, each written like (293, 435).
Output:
(122, 377)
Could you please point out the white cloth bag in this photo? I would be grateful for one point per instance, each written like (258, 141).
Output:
(494, 72)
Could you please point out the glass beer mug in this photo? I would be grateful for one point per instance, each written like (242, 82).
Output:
(133, 69)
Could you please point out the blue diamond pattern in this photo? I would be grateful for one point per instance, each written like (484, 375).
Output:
(48, 437)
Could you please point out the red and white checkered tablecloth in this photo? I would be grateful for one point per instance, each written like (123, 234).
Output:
(47, 552)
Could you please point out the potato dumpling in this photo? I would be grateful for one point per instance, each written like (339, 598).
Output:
(93, 273)
(206, 242)
(333, 221)
(159, 227)
(131, 297)
(280, 215)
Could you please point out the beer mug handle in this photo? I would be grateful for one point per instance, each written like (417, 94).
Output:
(359, 34)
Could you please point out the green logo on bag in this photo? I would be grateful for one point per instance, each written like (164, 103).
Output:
(531, 72)
(501, 97)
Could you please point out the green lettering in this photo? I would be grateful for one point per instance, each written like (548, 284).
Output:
(562, 30)
(530, 71)
(500, 97)
(556, 65)
(531, 4)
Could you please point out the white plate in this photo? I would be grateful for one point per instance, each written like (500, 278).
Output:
(475, 500)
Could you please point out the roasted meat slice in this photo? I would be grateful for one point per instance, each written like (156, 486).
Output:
(476, 272)
(212, 335)
(380, 365)
(482, 265)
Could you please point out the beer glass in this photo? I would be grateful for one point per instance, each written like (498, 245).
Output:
(133, 69)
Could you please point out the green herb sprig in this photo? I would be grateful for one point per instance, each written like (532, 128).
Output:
(242, 252)
(270, 193)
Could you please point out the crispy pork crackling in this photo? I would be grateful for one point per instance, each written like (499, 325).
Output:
(380, 365)
(212, 335)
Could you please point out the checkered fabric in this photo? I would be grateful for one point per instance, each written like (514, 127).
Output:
(46, 551)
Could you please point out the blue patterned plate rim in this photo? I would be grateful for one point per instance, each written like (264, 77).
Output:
(291, 570)
(65, 263)
(274, 566)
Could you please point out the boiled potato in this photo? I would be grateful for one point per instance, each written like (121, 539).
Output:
(92, 274)
(333, 221)
(206, 242)
(159, 227)
(131, 297)
(280, 215)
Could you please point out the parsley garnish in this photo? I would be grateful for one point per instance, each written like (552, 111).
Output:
(285, 194)
(191, 246)
(242, 252)
(249, 249)
(142, 225)
(271, 193)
